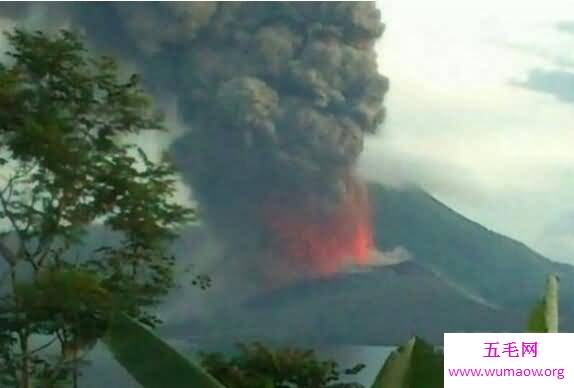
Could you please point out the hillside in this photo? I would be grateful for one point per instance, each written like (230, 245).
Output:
(383, 306)
(499, 269)
(462, 277)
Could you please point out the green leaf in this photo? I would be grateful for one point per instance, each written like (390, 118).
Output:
(544, 315)
(416, 364)
(151, 361)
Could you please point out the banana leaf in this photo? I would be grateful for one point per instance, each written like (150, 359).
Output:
(150, 361)
(544, 315)
(414, 365)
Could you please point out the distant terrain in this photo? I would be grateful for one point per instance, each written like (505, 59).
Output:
(462, 277)
(499, 269)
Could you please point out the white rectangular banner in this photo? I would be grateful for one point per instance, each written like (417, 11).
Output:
(502, 360)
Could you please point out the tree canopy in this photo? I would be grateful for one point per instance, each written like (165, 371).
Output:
(259, 366)
(65, 166)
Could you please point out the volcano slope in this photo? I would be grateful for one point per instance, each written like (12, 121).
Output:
(460, 277)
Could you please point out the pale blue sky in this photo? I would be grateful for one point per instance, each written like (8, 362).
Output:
(474, 114)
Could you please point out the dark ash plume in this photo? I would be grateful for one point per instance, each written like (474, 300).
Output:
(278, 97)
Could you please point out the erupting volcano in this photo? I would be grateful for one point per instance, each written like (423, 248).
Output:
(276, 99)
(322, 243)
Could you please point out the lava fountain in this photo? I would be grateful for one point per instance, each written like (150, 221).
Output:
(322, 243)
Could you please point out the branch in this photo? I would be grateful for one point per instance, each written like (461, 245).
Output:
(40, 348)
(45, 241)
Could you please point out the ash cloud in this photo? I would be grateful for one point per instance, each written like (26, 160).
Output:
(277, 97)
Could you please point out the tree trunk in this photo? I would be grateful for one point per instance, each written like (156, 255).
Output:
(75, 375)
(25, 379)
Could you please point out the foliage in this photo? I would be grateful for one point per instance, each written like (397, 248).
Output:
(150, 361)
(65, 164)
(257, 366)
(544, 315)
(155, 364)
(416, 364)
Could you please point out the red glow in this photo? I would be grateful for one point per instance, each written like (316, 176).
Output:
(324, 243)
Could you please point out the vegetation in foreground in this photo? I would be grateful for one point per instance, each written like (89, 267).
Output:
(65, 164)
(413, 365)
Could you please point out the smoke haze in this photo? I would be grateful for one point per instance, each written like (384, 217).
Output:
(276, 99)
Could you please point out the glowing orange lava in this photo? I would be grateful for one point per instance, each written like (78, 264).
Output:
(323, 242)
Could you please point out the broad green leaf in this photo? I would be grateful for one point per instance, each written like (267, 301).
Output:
(544, 315)
(416, 364)
(536, 319)
(151, 361)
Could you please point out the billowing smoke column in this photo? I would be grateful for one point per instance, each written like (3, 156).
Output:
(278, 98)
(287, 92)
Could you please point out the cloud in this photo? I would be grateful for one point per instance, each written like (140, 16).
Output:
(394, 256)
(558, 83)
(378, 258)
(472, 113)
(558, 79)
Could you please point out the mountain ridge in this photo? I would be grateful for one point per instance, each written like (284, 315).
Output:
(461, 277)
(480, 260)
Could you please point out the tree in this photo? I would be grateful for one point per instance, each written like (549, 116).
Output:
(65, 165)
(257, 366)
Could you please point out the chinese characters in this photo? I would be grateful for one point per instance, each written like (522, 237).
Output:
(510, 349)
